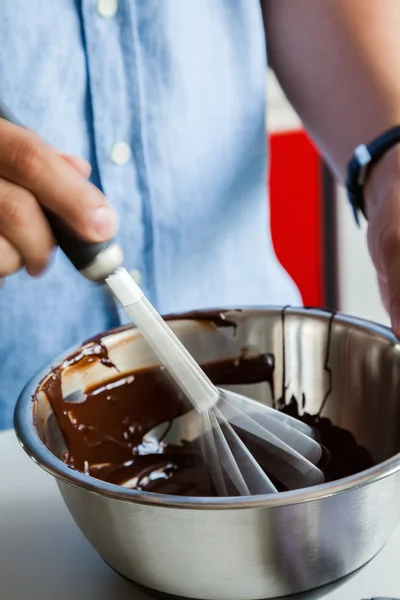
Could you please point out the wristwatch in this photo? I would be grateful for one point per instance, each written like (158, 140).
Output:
(358, 168)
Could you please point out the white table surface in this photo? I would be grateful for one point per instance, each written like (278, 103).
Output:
(43, 555)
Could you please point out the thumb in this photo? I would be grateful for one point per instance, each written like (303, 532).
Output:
(80, 164)
(393, 290)
(385, 239)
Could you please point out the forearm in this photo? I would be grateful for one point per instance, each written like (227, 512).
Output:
(339, 63)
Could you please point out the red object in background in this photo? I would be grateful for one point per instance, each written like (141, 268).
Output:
(296, 212)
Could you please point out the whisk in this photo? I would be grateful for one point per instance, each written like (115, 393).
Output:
(220, 418)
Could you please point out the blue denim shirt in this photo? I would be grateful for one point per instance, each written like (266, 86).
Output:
(181, 84)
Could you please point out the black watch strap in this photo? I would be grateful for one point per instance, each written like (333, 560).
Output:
(364, 157)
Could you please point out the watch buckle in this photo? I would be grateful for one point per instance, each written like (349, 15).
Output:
(363, 157)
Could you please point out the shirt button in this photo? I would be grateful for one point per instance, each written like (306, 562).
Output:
(136, 276)
(120, 153)
(107, 8)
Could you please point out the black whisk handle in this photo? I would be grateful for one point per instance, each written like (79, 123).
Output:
(95, 261)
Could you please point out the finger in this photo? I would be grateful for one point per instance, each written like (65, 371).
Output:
(384, 292)
(10, 259)
(24, 225)
(28, 161)
(80, 164)
(390, 281)
(384, 245)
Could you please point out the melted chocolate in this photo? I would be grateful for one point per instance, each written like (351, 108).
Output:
(218, 318)
(104, 433)
(346, 457)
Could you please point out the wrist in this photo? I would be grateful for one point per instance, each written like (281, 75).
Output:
(383, 180)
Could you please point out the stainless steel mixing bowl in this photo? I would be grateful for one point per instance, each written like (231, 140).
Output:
(257, 547)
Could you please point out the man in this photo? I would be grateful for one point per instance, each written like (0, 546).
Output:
(165, 100)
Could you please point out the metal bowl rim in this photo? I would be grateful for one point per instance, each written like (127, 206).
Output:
(40, 454)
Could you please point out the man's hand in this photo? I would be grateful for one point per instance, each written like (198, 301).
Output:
(35, 175)
(382, 204)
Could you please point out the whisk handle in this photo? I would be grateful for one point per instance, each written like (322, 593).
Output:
(95, 261)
